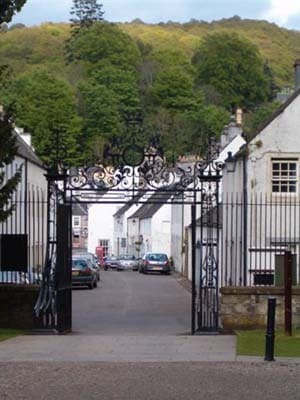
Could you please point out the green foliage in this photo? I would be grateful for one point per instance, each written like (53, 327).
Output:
(103, 42)
(9, 8)
(186, 132)
(46, 107)
(124, 85)
(257, 117)
(99, 110)
(8, 151)
(173, 89)
(118, 69)
(234, 68)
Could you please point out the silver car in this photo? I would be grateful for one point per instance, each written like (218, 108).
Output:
(155, 262)
(127, 262)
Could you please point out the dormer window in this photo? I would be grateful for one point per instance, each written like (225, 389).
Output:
(284, 175)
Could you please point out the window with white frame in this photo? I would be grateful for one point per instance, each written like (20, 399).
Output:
(284, 175)
(76, 221)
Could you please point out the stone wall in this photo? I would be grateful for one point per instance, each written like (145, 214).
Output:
(246, 308)
(16, 306)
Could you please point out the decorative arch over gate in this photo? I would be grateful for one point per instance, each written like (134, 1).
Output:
(134, 172)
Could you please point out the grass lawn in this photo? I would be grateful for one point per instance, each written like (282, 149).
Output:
(252, 343)
(10, 333)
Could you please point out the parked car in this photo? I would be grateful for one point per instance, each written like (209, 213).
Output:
(111, 262)
(155, 262)
(92, 259)
(83, 273)
(127, 262)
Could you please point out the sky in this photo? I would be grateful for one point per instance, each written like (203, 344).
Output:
(285, 13)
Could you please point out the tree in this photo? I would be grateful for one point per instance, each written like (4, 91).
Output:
(85, 13)
(173, 89)
(46, 107)
(102, 120)
(8, 151)
(234, 67)
(9, 8)
(103, 43)
(8, 147)
(257, 117)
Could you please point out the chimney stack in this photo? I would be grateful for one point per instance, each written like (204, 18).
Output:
(297, 74)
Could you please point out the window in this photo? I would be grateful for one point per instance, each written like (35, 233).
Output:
(284, 176)
(76, 221)
(105, 244)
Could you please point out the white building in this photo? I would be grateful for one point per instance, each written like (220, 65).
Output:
(266, 180)
(149, 228)
(30, 200)
(120, 224)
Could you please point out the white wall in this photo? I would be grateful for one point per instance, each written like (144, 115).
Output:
(133, 235)
(120, 229)
(161, 230)
(100, 224)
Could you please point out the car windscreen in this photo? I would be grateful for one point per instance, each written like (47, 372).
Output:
(157, 257)
(79, 264)
(127, 258)
(111, 258)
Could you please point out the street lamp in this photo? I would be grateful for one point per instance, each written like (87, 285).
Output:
(230, 163)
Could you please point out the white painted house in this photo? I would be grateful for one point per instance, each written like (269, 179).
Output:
(30, 200)
(266, 180)
(149, 228)
(120, 225)
(101, 227)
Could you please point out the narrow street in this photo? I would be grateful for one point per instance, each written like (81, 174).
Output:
(129, 303)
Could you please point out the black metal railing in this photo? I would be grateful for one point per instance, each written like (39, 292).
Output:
(253, 237)
(28, 218)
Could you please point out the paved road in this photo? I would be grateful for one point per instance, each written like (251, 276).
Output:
(152, 381)
(136, 307)
(129, 303)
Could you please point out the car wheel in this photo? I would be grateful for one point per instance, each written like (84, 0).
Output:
(95, 284)
(91, 286)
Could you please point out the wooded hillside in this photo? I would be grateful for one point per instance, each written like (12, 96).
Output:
(25, 48)
(185, 79)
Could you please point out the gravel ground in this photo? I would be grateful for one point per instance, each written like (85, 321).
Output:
(176, 381)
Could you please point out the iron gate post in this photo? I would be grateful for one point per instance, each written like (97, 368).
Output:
(63, 271)
(193, 216)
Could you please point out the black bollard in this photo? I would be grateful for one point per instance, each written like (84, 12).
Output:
(270, 335)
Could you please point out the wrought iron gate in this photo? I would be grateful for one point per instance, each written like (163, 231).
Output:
(140, 174)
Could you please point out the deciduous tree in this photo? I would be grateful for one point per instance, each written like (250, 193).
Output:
(8, 149)
(46, 107)
(234, 67)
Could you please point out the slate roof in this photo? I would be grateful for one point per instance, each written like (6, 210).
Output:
(26, 152)
(127, 206)
(147, 210)
(79, 209)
